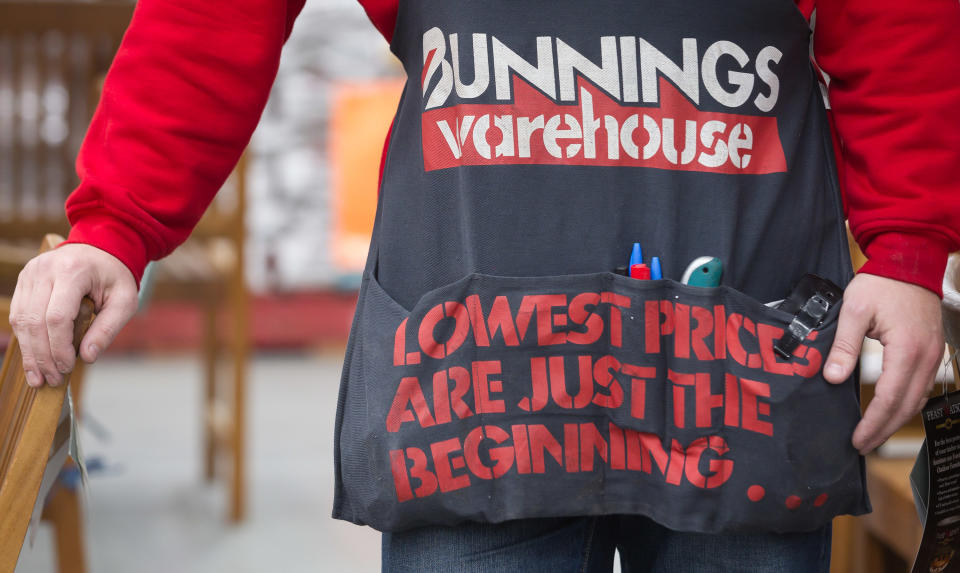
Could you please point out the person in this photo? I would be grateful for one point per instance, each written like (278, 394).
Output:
(582, 126)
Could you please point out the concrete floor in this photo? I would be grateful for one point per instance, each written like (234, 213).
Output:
(150, 512)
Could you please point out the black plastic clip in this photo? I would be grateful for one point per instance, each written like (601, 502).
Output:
(818, 296)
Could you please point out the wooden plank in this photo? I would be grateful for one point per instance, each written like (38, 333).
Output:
(894, 520)
(240, 305)
(16, 125)
(9, 396)
(23, 477)
(29, 422)
(872, 556)
(19, 229)
(41, 73)
(5, 314)
(63, 511)
(842, 557)
(87, 18)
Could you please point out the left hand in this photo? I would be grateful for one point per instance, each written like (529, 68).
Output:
(905, 318)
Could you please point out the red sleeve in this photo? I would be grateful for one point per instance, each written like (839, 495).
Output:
(179, 104)
(383, 14)
(895, 94)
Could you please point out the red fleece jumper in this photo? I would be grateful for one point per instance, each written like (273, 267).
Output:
(191, 79)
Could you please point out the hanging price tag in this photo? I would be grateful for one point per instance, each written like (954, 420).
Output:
(936, 482)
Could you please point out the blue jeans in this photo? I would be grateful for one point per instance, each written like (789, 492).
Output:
(587, 544)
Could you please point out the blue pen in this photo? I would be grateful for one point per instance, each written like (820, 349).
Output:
(655, 272)
(636, 256)
(637, 270)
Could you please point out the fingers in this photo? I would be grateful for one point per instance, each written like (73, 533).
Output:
(61, 312)
(29, 326)
(118, 307)
(18, 323)
(46, 303)
(906, 319)
(909, 368)
(42, 315)
(852, 325)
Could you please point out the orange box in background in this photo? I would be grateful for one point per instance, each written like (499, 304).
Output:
(360, 117)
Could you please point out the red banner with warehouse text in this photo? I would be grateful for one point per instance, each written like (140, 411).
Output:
(597, 130)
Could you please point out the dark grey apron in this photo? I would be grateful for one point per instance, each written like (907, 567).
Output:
(497, 370)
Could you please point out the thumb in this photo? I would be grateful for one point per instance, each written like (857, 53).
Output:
(117, 309)
(852, 326)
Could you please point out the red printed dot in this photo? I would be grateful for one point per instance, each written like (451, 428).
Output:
(793, 502)
(756, 492)
(821, 499)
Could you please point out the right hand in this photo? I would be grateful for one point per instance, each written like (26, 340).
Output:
(47, 300)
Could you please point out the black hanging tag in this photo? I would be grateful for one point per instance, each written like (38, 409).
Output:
(936, 482)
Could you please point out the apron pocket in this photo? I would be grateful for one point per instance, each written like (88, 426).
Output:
(498, 398)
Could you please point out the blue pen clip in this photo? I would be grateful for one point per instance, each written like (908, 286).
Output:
(655, 271)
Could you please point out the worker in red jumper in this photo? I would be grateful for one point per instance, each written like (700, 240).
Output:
(538, 140)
